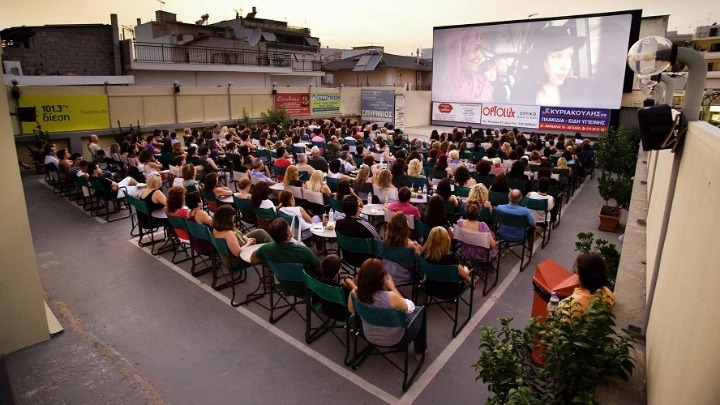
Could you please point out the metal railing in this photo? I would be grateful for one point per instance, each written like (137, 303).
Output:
(307, 66)
(167, 53)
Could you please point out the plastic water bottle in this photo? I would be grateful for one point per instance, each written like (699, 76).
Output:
(369, 198)
(554, 301)
(424, 190)
(332, 215)
(387, 202)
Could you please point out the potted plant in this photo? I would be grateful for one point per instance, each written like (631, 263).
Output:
(245, 120)
(616, 152)
(37, 147)
(277, 117)
(580, 353)
(587, 243)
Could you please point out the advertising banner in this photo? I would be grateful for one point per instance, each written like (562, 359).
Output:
(511, 115)
(67, 112)
(590, 120)
(325, 103)
(377, 105)
(456, 112)
(400, 111)
(295, 104)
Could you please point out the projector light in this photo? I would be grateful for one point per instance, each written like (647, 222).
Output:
(650, 55)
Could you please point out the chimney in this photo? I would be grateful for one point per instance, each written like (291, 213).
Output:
(252, 15)
(138, 22)
(417, 57)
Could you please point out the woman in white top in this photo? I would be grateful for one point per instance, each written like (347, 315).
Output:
(259, 196)
(288, 207)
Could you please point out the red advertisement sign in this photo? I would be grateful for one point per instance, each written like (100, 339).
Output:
(295, 104)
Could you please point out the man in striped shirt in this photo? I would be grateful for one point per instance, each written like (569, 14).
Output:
(355, 226)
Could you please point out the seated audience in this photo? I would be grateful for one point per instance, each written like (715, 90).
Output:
(223, 223)
(316, 183)
(437, 251)
(282, 249)
(513, 233)
(403, 204)
(397, 233)
(375, 288)
(435, 213)
(592, 273)
(330, 267)
(469, 252)
(197, 214)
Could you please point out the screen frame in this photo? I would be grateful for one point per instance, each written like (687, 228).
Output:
(635, 20)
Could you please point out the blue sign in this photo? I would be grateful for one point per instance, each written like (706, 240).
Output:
(589, 120)
(377, 105)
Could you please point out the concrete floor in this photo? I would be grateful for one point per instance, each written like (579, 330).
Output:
(139, 330)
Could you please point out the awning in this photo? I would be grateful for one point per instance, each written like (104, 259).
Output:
(269, 37)
(312, 41)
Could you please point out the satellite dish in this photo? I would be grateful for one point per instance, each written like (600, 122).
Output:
(255, 37)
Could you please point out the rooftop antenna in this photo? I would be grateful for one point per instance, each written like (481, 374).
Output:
(162, 3)
(238, 12)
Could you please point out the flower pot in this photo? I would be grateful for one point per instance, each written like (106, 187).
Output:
(39, 168)
(609, 218)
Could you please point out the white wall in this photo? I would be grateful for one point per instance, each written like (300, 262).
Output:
(22, 311)
(683, 331)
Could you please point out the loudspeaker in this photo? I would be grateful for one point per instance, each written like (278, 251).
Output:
(27, 114)
(656, 123)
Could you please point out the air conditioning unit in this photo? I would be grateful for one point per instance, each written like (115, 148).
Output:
(13, 67)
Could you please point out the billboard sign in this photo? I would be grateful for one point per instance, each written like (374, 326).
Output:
(295, 104)
(377, 105)
(325, 103)
(590, 120)
(511, 115)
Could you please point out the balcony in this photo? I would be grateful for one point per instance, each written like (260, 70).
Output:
(166, 53)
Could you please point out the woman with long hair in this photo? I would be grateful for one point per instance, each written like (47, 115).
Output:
(211, 185)
(463, 178)
(376, 289)
(316, 183)
(343, 190)
(196, 214)
(397, 233)
(260, 196)
(288, 207)
(415, 168)
(362, 177)
(444, 190)
(292, 177)
(176, 208)
(223, 224)
(437, 251)
(479, 194)
(435, 213)
(383, 179)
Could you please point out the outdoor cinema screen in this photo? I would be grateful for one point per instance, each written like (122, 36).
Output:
(577, 61)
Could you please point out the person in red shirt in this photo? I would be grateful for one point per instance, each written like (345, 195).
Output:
(403, 204)
(282, 161)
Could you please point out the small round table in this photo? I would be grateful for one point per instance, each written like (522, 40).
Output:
(246, 253)
(375, 210)
(324, 234)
